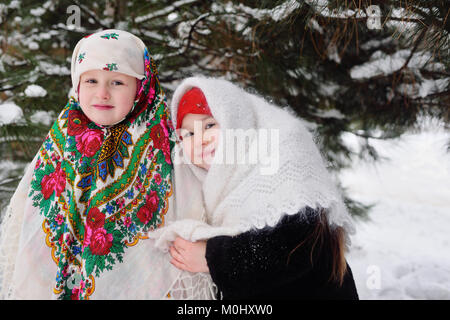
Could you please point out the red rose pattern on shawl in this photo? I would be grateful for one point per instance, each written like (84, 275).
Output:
(77, 122)
(101, 242)
(54, 182)
(89, 142)
(96, 237)
(145, 213)
(159, 134)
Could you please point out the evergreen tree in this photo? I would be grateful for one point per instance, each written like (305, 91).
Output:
(330, 61)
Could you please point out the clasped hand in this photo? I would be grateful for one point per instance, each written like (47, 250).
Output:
(189, 256)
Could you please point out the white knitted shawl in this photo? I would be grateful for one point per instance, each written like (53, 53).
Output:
(236, 196)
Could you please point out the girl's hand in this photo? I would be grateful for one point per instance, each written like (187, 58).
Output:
(189, 256)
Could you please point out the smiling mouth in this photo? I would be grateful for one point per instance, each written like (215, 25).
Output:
(103, 106)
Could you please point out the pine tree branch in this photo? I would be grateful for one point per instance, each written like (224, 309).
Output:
(92, 15)
(414, 49)
(192, 29)
(203, 17)
(164, 12)
(433, 95)
(434, 73)
(10, 87)
(9, 180)
(368, 136)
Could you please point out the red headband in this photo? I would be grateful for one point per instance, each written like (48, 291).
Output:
(193, 101)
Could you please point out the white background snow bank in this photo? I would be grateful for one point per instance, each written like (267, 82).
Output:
(403, 251)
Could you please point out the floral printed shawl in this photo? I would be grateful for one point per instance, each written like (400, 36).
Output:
(97, 191)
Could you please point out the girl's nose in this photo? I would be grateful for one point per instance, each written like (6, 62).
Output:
(198, 141)
(207, 138)
(103, 93)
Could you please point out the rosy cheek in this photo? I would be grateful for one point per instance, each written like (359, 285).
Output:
(215, 137)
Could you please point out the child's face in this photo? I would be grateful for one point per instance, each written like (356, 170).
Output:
(106, 97)
(200, 137)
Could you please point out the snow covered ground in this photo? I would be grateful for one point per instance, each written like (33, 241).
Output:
(403, 251)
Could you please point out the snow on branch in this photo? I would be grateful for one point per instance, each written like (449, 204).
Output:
(278, 13)
(163, 12)
(381, 64)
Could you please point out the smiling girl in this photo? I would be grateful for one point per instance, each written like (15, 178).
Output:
(281, 235)
(76, 225)
(106, 97)
(198, 130)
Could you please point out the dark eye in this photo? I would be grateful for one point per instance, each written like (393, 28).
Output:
(186, 134)
(210, 125)
(91, 81)
(117, 83)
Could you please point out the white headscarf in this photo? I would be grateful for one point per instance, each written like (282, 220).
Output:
(233, 197)
(124, 55)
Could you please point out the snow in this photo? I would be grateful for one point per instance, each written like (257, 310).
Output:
(406, 25)
(10, 113)
(163, 12)
(328, 88)
(33, 90)
(321, 7)
(313, 24)
(278, 13)
(33, 45)
(12, 61)
(37, 12)
(43, 117)
(172, 16)
(374, 43)
(333, 54)
(10, 173)
(14, 4)
(403, 250)
(424, 88)
(52, 69)
(332, 113)
(429, 86)
(381, 63)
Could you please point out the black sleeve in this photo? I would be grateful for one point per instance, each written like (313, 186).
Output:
(256, 260)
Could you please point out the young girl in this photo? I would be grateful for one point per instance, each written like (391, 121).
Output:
(76, 225)
(259, 234)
